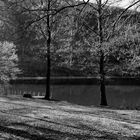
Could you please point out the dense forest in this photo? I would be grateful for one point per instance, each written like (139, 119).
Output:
(74, 45)
(69, 38)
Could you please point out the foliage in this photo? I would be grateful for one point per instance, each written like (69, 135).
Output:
(74, 37)
(124, 52)
(8, 61)
(30, 31)
(120, 47)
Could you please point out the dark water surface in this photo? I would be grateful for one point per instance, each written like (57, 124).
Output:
(118, 96)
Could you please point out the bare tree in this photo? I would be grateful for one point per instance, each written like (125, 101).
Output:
(43, 14)
(108, 26)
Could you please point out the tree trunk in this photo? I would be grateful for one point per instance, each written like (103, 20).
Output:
(102, 81)
(48, 74)
(101, 63)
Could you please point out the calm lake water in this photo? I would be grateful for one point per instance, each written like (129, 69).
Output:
(117, 96)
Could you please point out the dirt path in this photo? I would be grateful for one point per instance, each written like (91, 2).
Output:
(42, 120)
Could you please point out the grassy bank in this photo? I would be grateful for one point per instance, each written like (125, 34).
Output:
(38, 119)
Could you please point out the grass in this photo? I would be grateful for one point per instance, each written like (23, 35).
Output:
(36, 119)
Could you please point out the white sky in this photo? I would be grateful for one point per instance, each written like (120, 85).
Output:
(121, 3)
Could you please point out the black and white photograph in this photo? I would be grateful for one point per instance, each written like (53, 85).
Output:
(69, 69)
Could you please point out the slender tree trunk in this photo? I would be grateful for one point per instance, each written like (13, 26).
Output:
(101, 65)
(102, 81)
(48, 74)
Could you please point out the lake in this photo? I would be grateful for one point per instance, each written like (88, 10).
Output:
(124, 96)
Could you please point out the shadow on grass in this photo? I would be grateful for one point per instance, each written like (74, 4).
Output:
(104, 135)
(22, 133)
(33, 133)
(47, 134)
(39, 132)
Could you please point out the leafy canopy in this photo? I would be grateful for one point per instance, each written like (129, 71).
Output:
(8, 61)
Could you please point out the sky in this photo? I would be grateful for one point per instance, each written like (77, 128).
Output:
(123, 3)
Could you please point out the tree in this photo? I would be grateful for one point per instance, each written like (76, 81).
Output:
(43, 15)
(100, 27)
(125, 51)
(8, 57)
(109, 23)
(8, 61)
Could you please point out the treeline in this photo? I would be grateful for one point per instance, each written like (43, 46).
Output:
(78, 37)
(74, 45)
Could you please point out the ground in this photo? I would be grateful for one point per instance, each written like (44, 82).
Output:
(36, 119)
